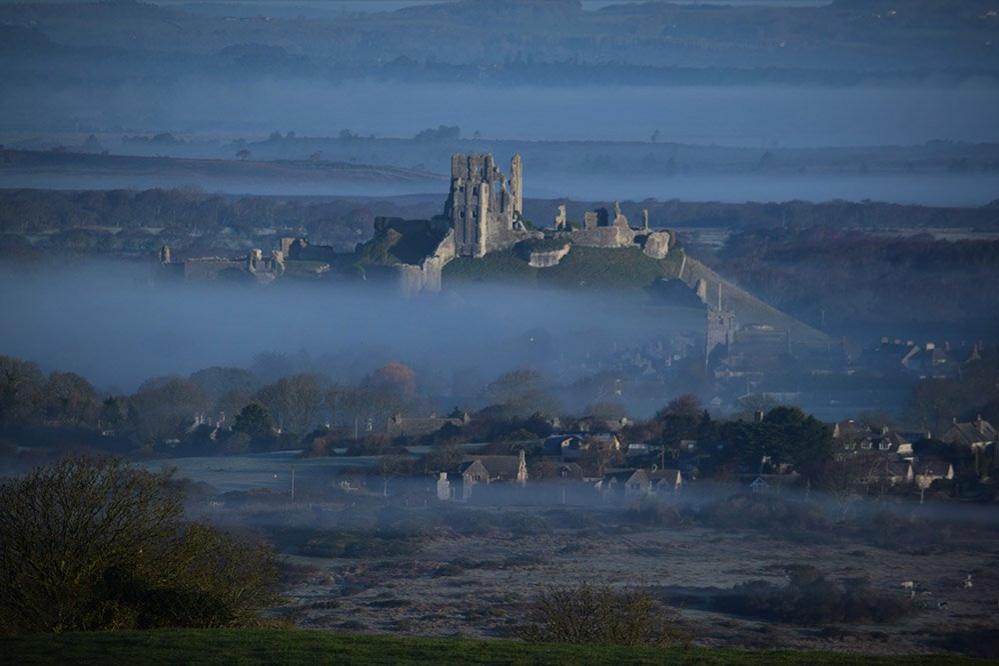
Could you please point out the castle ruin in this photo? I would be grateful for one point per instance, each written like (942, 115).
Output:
(486, 209)
(483, 213)
(601, 228)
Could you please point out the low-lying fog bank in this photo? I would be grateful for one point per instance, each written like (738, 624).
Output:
(926, 189)
(115, 324)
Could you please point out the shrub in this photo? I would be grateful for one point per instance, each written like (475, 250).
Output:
(764, 512)
(600, 616)
(904, 533)
(650, 511)
(357, 545)
(524, 524)
(809, 598)
(95, 544)
(976, 641)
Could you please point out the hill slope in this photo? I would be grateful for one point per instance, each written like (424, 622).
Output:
(628, 269)
(748, 308)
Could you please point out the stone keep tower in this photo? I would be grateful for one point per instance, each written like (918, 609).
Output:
(484, 206)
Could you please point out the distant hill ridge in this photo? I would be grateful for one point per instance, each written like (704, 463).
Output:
(22, 164)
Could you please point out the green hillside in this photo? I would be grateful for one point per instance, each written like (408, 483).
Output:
(318, 647)
(589, 267)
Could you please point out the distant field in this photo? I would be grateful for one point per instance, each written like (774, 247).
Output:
(315, 647)
(66, 170)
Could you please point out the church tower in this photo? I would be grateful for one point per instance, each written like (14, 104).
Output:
(721, 328)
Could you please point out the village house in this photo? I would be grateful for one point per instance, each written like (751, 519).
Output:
(401, 426)
(894, 356)
(554, 470)
(627, 483)
(565, 447)
(976, 434)
(851, 436)
(889, 441)
(665, 481)
(571, 447)
(770, 483)
(927, 470)
(896, 472)
(981, 438)
(481, 470)
(929, 361)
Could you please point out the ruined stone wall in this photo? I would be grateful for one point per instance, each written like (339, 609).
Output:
(745, 306)
(208, 268)
(299, 249)
(548, 258)
(610, 236)
(655, 244)
(428, 275)
(433, 266)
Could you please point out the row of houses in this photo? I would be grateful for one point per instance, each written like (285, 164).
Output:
(893, 356)
(896, 463)
(476, 473)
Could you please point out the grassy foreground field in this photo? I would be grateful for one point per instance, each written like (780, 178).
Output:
(316, 647)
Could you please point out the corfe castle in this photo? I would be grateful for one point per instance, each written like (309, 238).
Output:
(484, 213)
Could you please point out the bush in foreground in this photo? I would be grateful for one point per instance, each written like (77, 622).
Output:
(601, 616)
(91, 544)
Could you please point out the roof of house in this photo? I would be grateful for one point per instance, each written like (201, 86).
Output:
(624, 475)
(892, 439)
(604, 438)
(664, 473)
(569, 471)
(554, 444)
(504, 467)
(971, 432)
(893, 468)
(932, 467)
(850, 430)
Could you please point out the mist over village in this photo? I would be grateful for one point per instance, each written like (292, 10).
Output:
(499, 331)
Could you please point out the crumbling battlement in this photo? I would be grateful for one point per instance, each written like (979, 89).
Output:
(254, 264)
(600, 228)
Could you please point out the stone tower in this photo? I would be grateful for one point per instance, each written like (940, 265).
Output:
(483, 205)
(517, 185)
(721, 327)
(561, 221)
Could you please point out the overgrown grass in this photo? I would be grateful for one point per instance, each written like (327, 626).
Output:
(318, 647)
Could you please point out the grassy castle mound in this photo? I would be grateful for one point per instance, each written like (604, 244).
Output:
(584, 267)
